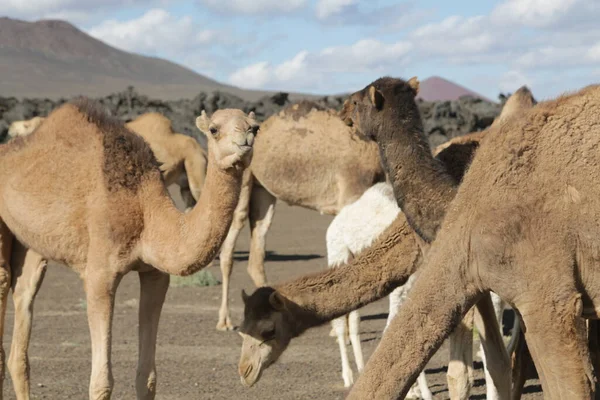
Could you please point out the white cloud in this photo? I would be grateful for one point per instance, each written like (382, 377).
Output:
(327, 8)
(308, 70)
(456, 36)
(253, 76)
(254, 6)
(513, 80)
(156, 31)
(593, 54)
(292, 69)
(534, 13)
(35, 9)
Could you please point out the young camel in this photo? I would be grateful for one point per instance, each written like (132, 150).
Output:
(118, 218)
(315, 299)
(330, 168)
(523, 224)
(180, 157)
(351, 231)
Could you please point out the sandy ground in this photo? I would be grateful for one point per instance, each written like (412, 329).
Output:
(194, 360)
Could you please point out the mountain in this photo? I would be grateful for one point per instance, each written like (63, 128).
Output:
(53, 59)
(440, 89)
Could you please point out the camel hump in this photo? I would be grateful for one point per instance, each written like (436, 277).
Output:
(127, 157)
(301, 109)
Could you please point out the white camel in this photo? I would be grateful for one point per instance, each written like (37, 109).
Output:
(352, 230)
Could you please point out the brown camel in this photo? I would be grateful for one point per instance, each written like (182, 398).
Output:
(523, 224)
(105, 213)
(308, 306)
(330, 167)
(182, 160)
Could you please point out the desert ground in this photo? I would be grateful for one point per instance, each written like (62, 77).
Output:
(194, 360)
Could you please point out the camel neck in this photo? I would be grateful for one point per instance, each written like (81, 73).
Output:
(422, 186)
(318, 298)
(182, 244)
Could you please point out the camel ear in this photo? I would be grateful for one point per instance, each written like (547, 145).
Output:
(203, 122)
(277, 301)
(251, 115)
(244, 296)
(414, 84)
(376, 98)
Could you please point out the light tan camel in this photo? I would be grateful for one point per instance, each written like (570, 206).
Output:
(330, 167)
(523, 224)
(102, 208)
(181, 158)
(24, 128)
(322, 297)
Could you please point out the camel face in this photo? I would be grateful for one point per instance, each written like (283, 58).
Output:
(230, 136)
(24, 128)
(265, 337)
(365, 109)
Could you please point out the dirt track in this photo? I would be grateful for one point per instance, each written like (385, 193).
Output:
(194, 360)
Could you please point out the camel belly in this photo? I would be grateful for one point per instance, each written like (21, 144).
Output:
(53, 227)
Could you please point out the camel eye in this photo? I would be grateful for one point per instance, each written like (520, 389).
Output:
(213, 130)
(270, 334)
(254, 129)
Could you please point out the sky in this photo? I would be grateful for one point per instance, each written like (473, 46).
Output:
(336, 46)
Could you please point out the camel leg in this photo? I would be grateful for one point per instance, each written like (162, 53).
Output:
(397, 297)
(28, 270)
(430, 314)
(556, 337)
(460, 366)
(495, 358)
(6, 240)
(100, 287)
(514, 336)
(227, 249)
(339, 325)
(354, 329)
(153, 289)
(594, 349)
(262, 209)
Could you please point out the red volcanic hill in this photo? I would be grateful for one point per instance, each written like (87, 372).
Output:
(440, 89)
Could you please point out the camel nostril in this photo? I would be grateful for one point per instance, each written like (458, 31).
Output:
(247, 371)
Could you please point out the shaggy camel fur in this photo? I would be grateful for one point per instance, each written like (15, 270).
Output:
(179, 156)
(350, 232)
(313, 300)
(119, 218)
(329, 168)
(24, 128)
(523, 224)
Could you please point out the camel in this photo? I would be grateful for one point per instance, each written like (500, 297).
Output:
(331, 167)
(310, 301)
(24, 128)
(522, 224)
(182, 160)
(351, 231)
(106, 212)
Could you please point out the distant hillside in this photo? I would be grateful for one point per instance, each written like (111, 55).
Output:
(55, 59)
(440, 89)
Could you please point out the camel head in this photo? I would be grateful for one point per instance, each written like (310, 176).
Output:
(24, 128)
(369, 109)
(266, 331)
(230, 135)
(519, 102)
